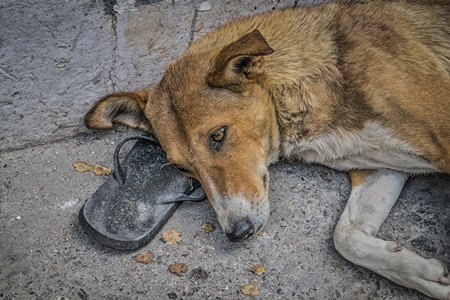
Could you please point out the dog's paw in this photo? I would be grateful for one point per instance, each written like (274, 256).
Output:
(436, 289)
(444, 280)
(433, 279)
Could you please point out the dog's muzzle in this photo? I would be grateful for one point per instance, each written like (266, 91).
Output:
(241, 217)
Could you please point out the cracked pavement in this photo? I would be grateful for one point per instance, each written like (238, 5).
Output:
(57, 58)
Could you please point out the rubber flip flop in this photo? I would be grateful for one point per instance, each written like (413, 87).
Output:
(134, 203)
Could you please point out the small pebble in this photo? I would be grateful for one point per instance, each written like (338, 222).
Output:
(204, 6)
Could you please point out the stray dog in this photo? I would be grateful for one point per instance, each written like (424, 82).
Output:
(360, 86)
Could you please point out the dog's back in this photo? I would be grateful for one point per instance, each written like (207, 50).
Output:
(347, 64)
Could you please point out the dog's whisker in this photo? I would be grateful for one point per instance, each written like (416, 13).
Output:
(165, 165)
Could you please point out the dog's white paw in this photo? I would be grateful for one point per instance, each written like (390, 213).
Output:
(430, 276)
(398, 264)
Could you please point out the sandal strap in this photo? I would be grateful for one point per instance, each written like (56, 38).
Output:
(118, 172)
(120, 177)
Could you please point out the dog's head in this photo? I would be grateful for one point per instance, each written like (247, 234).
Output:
(214, 117)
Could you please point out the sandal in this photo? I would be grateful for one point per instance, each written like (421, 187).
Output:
(135, 202)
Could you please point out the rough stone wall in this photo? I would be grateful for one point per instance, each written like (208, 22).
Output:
(57, 58)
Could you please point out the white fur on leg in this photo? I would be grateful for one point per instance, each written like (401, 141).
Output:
(367, 208)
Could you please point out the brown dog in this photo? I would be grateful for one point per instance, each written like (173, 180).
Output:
(362, 87)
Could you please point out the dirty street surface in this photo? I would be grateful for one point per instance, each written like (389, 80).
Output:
(56, 59)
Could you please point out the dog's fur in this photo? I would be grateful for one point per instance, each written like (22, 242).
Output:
(361, 86)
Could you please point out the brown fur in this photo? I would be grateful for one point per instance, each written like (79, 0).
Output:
(352, 85)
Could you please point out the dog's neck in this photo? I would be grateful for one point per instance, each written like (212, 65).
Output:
(312, 108)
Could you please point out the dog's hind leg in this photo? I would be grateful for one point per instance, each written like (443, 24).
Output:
(372, 197)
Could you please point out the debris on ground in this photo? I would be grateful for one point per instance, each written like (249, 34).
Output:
(144, 258)
(250, 289)
(258, 270)
(81, 166)
(178, 269)
(101, 170)
(208, 227)
(171, 236)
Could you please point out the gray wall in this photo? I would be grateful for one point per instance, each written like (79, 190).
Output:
(58, 57)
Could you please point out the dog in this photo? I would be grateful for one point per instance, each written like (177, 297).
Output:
(358, 86)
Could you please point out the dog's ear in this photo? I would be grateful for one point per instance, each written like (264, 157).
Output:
(124, 108)
(240, 62)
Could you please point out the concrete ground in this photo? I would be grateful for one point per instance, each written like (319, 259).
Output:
(56, 59)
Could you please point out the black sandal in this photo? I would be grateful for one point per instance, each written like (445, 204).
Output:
(134, 203)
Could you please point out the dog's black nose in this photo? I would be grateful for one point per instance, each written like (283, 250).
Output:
(242, 231)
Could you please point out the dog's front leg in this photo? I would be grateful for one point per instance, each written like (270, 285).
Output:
(372, 197)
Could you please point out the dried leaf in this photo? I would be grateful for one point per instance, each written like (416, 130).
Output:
(81, 166)
(101, 170)
(208, 227)
(250, 289)
(144, 258)
(172, 236)
(177, 269)
(258, 270)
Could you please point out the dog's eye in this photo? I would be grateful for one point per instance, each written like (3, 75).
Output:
(218, 137)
